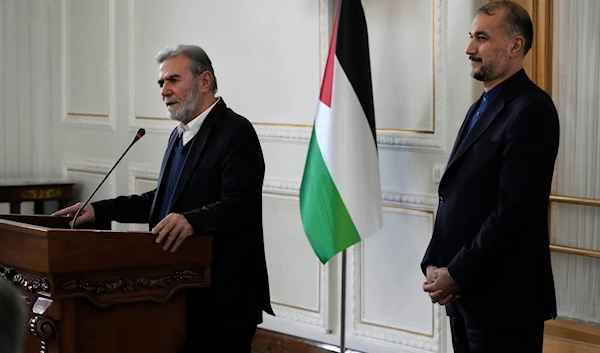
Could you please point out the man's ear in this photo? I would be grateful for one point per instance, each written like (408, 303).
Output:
(205, 81)
(517, 45)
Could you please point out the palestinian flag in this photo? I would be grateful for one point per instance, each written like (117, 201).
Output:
(340, 195)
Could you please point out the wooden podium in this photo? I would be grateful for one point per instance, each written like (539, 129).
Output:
(95, 290)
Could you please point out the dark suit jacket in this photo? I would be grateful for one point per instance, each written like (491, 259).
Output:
(491, 228)
(220, 193)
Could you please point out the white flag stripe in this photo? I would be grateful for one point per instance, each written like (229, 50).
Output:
(349, 151)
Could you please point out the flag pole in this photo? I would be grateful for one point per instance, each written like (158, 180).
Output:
(343, 308)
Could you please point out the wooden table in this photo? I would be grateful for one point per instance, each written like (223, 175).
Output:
(15, 191)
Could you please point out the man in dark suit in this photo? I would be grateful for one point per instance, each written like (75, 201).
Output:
(488, 260)
(210, 183)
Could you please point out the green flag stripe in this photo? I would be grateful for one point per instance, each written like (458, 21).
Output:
(326, 220)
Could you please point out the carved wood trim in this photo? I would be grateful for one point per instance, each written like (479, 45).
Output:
(45, 329)
(129, 284)
(34, 285)
(104, 289)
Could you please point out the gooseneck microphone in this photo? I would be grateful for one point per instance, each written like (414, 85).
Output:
(138, 136)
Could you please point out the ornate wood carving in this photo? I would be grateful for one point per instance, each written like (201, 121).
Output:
(128, 284)
(34, 285)
(44, 328)
(146, 283)
(41, 194)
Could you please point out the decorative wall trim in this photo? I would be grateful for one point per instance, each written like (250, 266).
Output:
(92, 166)
(389, 198)
(401, 338)
(327, 10)
(320, 319)
(283, 132)
(90, 120)
(395, 139)
(410, 201)
(396, 336)
(141, 171)
(414, 202)
(303, 316)
(385, 139)
(153, 124)
(291, 188)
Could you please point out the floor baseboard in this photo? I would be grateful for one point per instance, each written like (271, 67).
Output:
(266, 341)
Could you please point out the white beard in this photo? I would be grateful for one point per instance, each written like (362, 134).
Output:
(184, 109)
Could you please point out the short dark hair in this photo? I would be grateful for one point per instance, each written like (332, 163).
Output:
(516, 19)
(200, 60)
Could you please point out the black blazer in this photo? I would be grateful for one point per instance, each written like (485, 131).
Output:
(491, 227)
(220, 193)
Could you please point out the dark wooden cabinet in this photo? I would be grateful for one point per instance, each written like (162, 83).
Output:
(17, 191)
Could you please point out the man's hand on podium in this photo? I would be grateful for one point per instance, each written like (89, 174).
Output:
(86, 215)
(174, 227)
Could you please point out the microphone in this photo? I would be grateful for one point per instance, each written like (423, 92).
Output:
(138, 135)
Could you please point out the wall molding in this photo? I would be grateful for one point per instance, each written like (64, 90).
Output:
(92, 166)
(282, 132)
(411, 202)
(151, 124)
(83, 119)
(394, 139)
(396, 336)
(297, 315)
(143, 171)
(389, 198)
(139, 171)
(300, 316)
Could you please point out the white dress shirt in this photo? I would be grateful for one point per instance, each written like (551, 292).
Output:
(190, 129)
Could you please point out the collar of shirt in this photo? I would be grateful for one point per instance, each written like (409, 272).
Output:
(190, 129)
(489, 95)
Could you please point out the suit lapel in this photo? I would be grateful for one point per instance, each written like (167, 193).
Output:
(488, 116)
(459, 138)
(509, 90)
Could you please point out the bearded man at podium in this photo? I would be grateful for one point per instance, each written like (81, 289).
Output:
(210, 183)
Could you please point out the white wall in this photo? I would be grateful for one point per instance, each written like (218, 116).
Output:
(25, 92)
(576, 83)
(97, 84)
